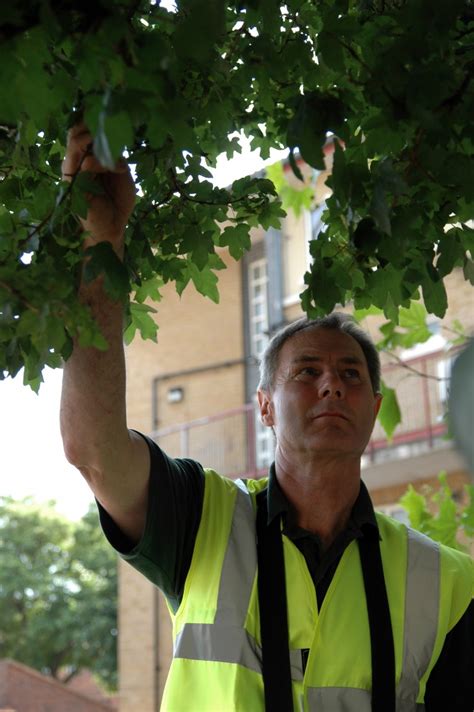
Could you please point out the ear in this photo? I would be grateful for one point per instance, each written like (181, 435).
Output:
(266, 408)
(377, 404)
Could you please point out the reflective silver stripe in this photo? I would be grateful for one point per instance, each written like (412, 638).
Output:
(240, 565)
(296, 665)
(206, 641)
(226, 640)
(224, 644)
(346, 699)
(339, 699)
(421, 615)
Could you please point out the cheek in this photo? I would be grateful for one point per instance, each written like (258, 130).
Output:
(371, 417)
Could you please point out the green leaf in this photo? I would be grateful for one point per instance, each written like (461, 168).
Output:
(416, 506)
(360, 314)
(467, 516)
(437, 514)
(330, 49)
(384, 288)
(434, 292)
(102, 260)
(276, 174)
(237, 238)
(380, 210)
(316, 115)
(148, 289)
(294, 165)
(118, 129)
(450, 252)
(413, 328)
(140, 319)
(468, 270)
(205, 281)
(389, 414)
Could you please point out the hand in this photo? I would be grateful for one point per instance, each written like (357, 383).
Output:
(108, 212)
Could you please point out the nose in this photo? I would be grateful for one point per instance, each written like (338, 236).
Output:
(331, 386)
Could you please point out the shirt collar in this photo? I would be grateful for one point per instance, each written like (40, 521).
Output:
(362, 514)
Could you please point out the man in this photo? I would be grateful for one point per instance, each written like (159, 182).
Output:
(378, 618)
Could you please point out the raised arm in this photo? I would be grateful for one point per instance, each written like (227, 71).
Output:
(113, 460)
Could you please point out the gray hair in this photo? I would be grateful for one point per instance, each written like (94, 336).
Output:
(338, 321)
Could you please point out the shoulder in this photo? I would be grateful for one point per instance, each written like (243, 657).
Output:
(220, 497)
(216, 483)
(457, 582)
(451, 571)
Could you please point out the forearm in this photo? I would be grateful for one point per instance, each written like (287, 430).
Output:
(114, 461)
(93, 412)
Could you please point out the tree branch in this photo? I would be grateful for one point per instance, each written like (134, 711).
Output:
(19, 296)
(400, 362)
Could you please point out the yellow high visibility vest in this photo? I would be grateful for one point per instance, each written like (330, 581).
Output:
(216, 630)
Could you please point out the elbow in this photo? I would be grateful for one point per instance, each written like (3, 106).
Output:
(73, 450)
(76, 454)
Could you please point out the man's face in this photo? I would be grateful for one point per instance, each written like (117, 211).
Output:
(322, 398)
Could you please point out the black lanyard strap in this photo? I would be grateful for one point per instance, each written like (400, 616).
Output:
(274, 618)
(273, 612)
(381, 633)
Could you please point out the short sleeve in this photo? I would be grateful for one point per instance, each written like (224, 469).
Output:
(175, 498)
(451, 683)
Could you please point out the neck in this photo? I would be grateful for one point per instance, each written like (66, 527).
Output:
(322, 491)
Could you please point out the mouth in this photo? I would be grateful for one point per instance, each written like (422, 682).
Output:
(331, 414)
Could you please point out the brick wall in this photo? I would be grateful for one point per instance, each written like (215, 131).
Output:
(194, 333)
(25, 690)
(139, 641)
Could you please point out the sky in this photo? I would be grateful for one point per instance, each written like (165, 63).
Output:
(32, 462)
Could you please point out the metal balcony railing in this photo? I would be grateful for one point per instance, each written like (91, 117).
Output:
(227, 441)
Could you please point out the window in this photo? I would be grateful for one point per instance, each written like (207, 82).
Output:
(258, 328)
(258, 307)
(313, 226)
(444, 368)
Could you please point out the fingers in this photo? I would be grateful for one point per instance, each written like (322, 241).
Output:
(80, 157)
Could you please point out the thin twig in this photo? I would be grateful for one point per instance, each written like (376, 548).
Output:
(407, 366)
(19, 296)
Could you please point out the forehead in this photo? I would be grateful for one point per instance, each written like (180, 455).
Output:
(320, 343)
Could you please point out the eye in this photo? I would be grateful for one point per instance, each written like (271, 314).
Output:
(352, 374)
(307, 373)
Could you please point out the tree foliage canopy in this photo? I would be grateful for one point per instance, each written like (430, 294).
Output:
(391, 79)
(437, 514)
(58, 592)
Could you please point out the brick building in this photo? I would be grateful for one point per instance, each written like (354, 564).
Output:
(23, 689)
(195, 393)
